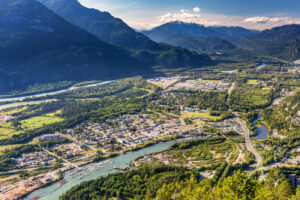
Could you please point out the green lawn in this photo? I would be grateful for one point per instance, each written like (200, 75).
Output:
(247, 97)
(37, 122)
(252, 81)
(204, 115)
(7, 130)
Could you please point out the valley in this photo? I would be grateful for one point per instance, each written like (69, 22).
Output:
(68, 129)
(93, 109)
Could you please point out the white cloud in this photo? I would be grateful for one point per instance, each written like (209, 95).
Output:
(196, 9)
(148, 18)
(211, 19)
(186, 16)
(274, 20)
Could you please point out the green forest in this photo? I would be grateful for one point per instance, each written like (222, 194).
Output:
(168, 183)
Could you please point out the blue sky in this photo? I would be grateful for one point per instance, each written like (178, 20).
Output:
(258, 14)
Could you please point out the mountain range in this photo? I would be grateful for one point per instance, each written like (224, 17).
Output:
(200, 44)
(231, 33)
(200, 38)
(282, 42)
(37, 45)
(101, 24)
(54, 40)
(115, 31)
(279, 42)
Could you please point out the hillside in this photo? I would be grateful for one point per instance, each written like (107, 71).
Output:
(36, 45)
(285, 116)
(161, 33)
(173, 58)
(283, 42)
(199, 44)
(172, 183)
(101, 24)
(113, 30)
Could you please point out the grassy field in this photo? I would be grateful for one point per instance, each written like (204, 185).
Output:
(3, 148)
(201, 115)
(13, 108)
(54, 113)
(7, 130)
(247, 97)
(202, 154)
(252, 81)
(12, 111)
(258, 97)
(37, 122)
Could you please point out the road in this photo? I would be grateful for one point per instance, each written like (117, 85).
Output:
(249, 144)
(231, 88)
(229, 92)
(280, 163)
(68, 164)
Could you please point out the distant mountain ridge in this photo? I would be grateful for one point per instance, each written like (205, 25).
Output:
(279, 42)
(199, 44)
(101, 24)
(113, 30)
(282, 42)
(162, 32)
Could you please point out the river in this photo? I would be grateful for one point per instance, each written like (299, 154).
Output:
(234, 70)
(229, 71)
(14, 99)
(262, 130)
(260, 66)
(93, 171)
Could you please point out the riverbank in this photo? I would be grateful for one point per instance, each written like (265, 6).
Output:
(31, 184)
(23, 98)
(93, 171)
(262, 130)
(27, 186)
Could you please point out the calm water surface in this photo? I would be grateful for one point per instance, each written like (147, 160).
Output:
(262, 130)
(93, 171)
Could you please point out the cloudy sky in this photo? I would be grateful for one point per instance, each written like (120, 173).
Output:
(255, 14)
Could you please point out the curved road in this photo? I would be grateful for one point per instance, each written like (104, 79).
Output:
(249, 144)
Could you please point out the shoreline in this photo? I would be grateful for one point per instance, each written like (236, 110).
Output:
(112, 155)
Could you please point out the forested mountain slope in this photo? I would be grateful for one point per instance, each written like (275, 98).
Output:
(36, 45)
(101, 24)
(163, 32)
(282, 41)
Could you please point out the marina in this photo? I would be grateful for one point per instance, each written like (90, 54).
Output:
(93, 171)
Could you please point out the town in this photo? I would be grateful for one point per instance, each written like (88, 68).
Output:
(170, 113)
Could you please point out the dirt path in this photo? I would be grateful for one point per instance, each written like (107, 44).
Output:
(231, 88)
